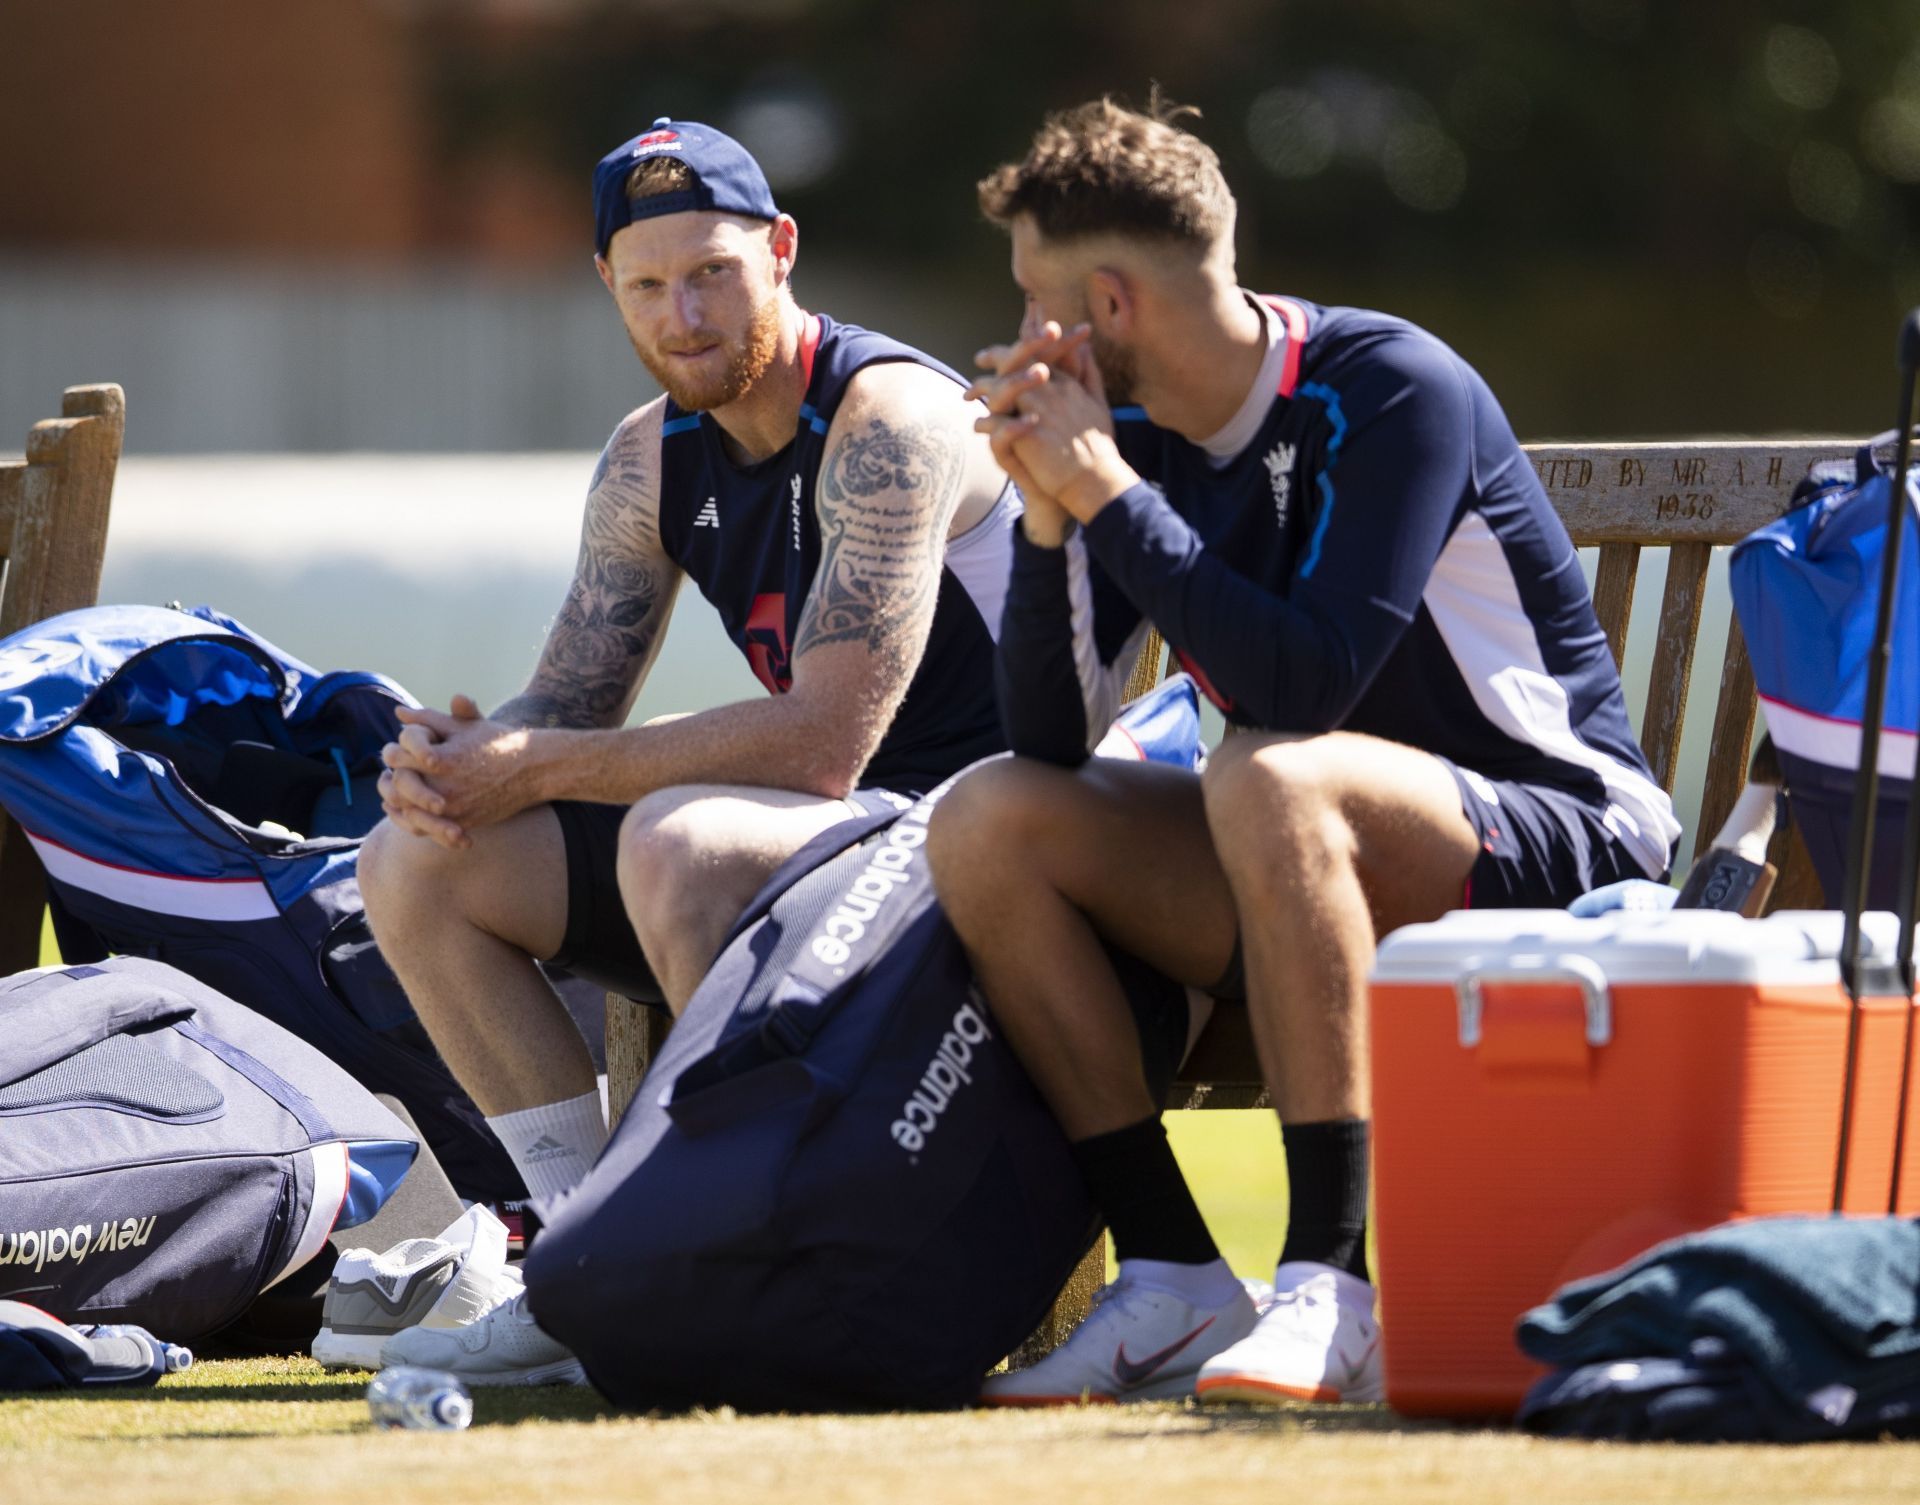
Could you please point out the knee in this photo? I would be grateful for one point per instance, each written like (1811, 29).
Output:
(396, 870)
(658, 862)
(1273, 805)
(987, 826)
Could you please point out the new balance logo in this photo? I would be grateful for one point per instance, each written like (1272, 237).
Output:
(709, 516)
(546, 1147)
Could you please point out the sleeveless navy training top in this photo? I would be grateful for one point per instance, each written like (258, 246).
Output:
(749, 537)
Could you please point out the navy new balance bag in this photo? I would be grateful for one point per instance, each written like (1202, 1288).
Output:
(1806, 588)
(198, 796)
(165, 1153)
(836, 1186)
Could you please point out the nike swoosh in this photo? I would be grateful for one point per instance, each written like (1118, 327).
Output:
(1130, 1373)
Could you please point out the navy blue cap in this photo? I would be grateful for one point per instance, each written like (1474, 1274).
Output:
(726, 178)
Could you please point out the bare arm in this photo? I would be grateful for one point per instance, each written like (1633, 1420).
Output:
(614, 618)
(900, 458)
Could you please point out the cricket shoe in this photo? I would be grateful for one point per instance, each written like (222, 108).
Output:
(441, 1282)
(1138, 1343)
(504, 1346)
(1316, 1340)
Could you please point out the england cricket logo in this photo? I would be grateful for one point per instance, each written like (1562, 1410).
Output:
(1280, 472)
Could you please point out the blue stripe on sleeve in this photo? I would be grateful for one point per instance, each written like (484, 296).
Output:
(1330, 399)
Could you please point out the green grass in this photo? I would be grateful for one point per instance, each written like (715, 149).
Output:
(281, 1429)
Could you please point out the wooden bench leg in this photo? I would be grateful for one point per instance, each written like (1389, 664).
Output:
(1069, 1308)
(635, 1033)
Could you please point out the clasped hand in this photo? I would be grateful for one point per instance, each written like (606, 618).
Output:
(450, 772)
(1048, 423)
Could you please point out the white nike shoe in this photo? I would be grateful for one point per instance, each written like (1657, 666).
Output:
(1316, 1340)
(1138, 1343)
(503, 1346)
(439, 1282)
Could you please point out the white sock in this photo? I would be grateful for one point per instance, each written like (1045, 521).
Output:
(1211, 1284)
(555, 1144)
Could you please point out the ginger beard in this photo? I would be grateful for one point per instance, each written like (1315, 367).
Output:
(747, 360)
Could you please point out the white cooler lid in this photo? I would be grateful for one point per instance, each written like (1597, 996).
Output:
(1677, 946)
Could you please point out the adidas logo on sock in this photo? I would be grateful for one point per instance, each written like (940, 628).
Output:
(709, 516)
(546, 1147)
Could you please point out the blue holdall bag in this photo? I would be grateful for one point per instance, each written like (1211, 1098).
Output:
(198, 796)
(836, 1186)
(1806, 588)
(166, 1154)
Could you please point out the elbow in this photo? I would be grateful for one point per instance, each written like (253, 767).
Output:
(829, 763)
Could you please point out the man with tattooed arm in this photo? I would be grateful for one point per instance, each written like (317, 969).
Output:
(824, 488)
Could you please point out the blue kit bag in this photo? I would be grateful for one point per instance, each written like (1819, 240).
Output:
(198, 796)
(836, 1187)
(166, 1154)
(1806, 589)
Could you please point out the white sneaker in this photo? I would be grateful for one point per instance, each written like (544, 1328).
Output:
(1138, 1343)
(438, 1282)
(504, 1346)
(1316, 1340)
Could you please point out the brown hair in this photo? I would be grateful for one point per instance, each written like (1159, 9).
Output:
(657, 176)
(1101, 168)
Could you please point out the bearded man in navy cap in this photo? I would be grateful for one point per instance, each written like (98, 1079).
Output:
(823, 487)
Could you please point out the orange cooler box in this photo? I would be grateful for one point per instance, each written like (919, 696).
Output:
(1552, 1096)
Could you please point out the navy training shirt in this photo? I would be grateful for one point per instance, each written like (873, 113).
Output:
(1378, 556)
(749, 537)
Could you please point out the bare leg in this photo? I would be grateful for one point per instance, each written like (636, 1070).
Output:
(692, 857)
(1035, 865)
(1328, 842)
(461, 930)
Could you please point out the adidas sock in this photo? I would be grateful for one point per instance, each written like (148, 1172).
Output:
(1327, 1193)
(1136, 1183)
(555, 1144)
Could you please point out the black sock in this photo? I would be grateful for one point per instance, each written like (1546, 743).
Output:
(1136, 1183)
(1327, 1188)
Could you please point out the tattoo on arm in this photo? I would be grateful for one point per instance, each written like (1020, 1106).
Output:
(886, 498)
(614, 611)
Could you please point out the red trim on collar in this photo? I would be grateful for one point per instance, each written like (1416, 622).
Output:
(1296, 320)
(809, 342)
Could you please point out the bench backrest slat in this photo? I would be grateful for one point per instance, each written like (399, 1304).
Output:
(53, 537)
(1682, 491)
(1613, 586)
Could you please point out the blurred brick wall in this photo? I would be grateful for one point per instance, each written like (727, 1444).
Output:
(236, 126)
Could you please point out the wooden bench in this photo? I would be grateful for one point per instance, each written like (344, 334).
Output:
(1684, 496)
(53, 537)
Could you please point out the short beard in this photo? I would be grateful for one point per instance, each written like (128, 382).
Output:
(1119, 372)
(746, 364)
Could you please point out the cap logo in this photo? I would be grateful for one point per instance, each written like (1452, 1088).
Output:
(657, 141)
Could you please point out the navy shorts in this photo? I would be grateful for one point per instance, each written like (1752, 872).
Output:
(600, 945)
(1540, 847)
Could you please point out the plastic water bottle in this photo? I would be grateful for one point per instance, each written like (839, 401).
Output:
(419, 1400)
